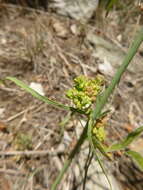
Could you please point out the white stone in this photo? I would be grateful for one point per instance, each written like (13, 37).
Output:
(37, 87)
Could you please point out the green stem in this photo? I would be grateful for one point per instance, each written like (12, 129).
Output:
(71, 156)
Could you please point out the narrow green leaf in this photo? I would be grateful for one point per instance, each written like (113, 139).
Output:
(110, 4)
(70, 158)
(40, 97)
(127, 141)
(136, 157)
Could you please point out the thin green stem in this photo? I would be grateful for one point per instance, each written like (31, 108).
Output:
(71, 156)
(86, 167)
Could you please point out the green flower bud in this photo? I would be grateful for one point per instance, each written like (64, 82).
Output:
(99, 133)
(84, 92)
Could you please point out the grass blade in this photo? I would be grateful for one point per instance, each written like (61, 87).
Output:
(127, 141)
(70, 158)
(110, 4)
(102, 100)
(136, 157)
(40, 97)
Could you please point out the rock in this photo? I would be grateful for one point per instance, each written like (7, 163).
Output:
(111, 55)
(37, 87)
(77, 9)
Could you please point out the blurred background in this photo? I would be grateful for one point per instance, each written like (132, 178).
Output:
(46, 44)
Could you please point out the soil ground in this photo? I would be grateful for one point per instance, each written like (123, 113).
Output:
(45, 48)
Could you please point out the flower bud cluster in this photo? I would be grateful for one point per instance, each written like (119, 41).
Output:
(99, 129)
(85, 91)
